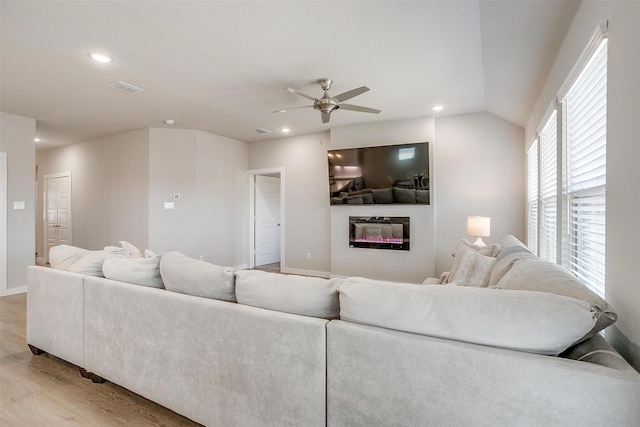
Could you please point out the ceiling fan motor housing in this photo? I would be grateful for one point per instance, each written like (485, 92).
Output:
(326, 104)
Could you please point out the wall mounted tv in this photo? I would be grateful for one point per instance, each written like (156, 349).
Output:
(388, 174)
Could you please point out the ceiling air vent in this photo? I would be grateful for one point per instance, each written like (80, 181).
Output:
(126, 87)
(262, 130)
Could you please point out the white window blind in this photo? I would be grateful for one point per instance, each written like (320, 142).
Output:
(548, 188)
(532, 197)
(584, 187)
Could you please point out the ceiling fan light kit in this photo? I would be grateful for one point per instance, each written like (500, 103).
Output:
(328, 104)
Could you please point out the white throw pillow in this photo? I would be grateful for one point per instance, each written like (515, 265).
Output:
(132, 251)
(488, 250)
(118, 265)
(470, 268)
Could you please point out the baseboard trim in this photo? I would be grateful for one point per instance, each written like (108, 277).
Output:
(13, 291)
(241, 267)
(301, 272)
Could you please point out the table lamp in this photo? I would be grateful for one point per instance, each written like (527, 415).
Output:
(479, 226)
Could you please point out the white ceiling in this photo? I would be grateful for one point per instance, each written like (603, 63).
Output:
(222, 66)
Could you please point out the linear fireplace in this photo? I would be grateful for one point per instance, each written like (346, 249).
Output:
(379, 232)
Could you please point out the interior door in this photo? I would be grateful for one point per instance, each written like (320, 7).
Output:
(58, 212)
(267, 223)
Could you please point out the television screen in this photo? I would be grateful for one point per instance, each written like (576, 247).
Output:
(388, 174)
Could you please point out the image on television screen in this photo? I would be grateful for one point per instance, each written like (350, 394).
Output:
(388, 174)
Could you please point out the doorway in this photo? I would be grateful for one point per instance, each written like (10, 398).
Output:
(57, 211)
(266, 219)
(3, 222)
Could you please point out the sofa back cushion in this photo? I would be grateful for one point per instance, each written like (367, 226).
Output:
(307, 296)
(186, 275)
(534, 274)
(535, 322)
(118, 265)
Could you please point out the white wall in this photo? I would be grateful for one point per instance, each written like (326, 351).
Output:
(307, 214)
(623, 153)
(412, 266)
(479, 167)
(209, 173)
(109, 183)
(16, 139)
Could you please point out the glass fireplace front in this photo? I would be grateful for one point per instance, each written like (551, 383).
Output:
(379, 232)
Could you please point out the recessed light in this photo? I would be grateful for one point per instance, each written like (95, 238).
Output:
(36, 139)
(437, 107)
(285, 130)
(100, 57)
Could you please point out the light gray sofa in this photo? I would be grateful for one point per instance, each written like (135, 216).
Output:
(249, 348)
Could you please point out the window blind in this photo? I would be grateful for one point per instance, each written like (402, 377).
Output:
(532, 197)
(548, 188)
(585, 115)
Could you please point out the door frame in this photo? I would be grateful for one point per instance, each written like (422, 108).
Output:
(251, 174)
(45, 205)
(3, 222)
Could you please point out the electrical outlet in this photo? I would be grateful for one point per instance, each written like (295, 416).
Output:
(201, 257)
(308, 255)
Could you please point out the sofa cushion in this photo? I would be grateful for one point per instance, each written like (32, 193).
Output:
(404, 195)
(186, 275)
(382, 195)
(534, 274)
(536, 322)
(504, 263)
(118, 265)
(77, 260)
(307, 296)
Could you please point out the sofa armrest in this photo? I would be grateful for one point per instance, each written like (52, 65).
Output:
(55, 312)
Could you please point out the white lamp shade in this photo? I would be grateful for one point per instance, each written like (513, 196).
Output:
(479, 226)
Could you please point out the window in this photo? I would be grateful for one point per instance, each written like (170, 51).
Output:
(585, 162)
(548, 188)
(566, 173)
(532, 197)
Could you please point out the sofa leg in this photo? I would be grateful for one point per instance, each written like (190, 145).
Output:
(35, 350)
(91, 376)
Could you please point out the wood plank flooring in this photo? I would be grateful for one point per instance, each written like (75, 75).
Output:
(47, 391)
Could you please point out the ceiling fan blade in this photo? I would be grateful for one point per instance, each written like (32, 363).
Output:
(325, 117)
(358, 108)
(292, 108)
(297, 92)
(350, 94)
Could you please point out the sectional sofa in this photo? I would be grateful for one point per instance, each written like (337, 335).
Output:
(504, 339)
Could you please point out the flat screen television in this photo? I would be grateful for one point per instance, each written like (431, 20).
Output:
(388, 174)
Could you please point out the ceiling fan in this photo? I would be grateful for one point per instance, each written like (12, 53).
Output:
(327, 104)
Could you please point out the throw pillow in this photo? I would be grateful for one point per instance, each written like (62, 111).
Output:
(194, 277)
(488, 250)
(306, 296)
(118, 265)
(471, 268)
(131, 249)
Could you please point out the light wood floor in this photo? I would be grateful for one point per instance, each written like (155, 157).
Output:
(47, 391)
(271, 268)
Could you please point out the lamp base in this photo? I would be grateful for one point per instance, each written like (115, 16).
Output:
(479, 243)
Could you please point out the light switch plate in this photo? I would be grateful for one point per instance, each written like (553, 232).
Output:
(18, 206)
(169, 205)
